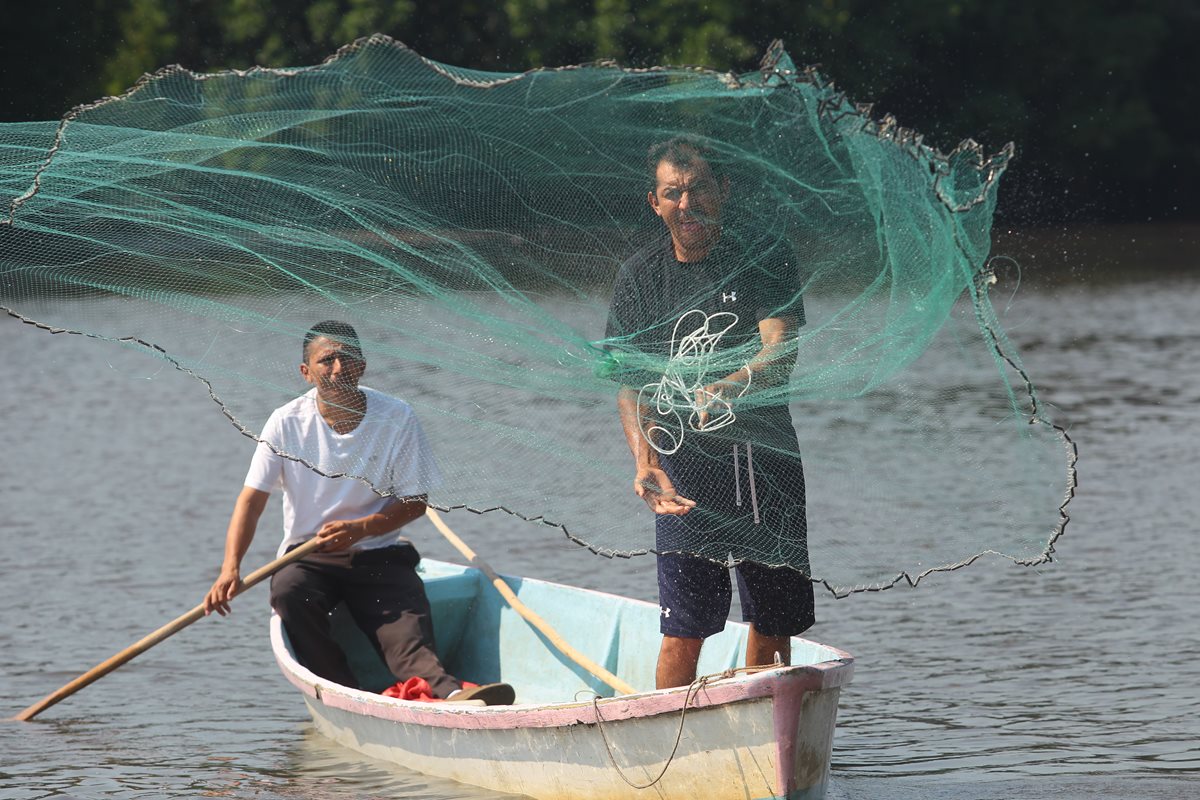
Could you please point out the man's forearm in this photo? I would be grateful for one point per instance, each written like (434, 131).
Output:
(394, 516)
(242, 525)
(650, 483)
(631, 423)
(773, 361)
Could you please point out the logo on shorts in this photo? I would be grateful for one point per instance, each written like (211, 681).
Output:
(663, 611)
(729, 297)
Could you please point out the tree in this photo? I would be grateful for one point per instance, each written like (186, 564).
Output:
(1096, 94)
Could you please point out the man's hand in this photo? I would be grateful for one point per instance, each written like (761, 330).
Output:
(227, 584)
(653, 486)
(340, 534)
(720, 395)
(703, 399)
(706, 398)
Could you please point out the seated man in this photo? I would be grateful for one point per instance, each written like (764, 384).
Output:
(365, 562)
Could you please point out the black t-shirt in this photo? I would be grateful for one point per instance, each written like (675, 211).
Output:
(662, 308)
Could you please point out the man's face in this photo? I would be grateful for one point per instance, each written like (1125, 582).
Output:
(689, 200)
(334, 367)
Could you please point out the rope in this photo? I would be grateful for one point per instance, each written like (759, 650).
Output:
(693, 690)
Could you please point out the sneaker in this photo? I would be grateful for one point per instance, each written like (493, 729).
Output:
(491, 694)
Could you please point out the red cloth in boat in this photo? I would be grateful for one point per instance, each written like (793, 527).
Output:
(417, 688)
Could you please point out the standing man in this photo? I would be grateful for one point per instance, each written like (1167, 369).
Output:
(709, 325)
(344, 429)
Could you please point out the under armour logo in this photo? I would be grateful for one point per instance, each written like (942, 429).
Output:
(729, 298)
(664, 611)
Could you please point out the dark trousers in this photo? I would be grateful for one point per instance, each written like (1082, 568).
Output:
(386, 598)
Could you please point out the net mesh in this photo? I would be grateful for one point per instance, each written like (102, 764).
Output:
(490, 238)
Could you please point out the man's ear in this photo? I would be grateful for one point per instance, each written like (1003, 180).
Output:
(652, 199)
(304, 373)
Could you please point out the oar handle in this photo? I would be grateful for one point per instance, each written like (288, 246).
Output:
(100, 670)
(532, 618)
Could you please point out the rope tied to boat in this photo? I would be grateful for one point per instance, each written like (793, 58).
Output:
(693, 691)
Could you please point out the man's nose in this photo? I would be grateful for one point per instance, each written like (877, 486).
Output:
(685, 200)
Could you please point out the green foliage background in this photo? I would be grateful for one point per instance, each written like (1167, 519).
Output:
(1097, 94)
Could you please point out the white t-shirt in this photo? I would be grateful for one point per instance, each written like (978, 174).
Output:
(387, 450)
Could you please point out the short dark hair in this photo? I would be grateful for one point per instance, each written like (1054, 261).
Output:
(335, 330)
(683, 151)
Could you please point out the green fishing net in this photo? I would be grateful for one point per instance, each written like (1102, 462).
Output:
(490, 237)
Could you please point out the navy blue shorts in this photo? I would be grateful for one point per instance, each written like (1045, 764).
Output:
(694, 595)
(746, 507)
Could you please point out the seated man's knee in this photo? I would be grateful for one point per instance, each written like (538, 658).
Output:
(291, 599)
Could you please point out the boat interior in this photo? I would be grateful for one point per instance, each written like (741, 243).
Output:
(481, 639)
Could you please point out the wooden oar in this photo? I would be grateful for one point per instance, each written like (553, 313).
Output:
(100, 670)
(533, 619)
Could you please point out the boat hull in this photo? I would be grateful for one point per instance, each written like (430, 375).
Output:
(756, 735)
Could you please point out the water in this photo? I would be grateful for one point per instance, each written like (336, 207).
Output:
(1077, 679)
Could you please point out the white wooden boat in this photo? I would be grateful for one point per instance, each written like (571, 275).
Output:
(760, 735)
